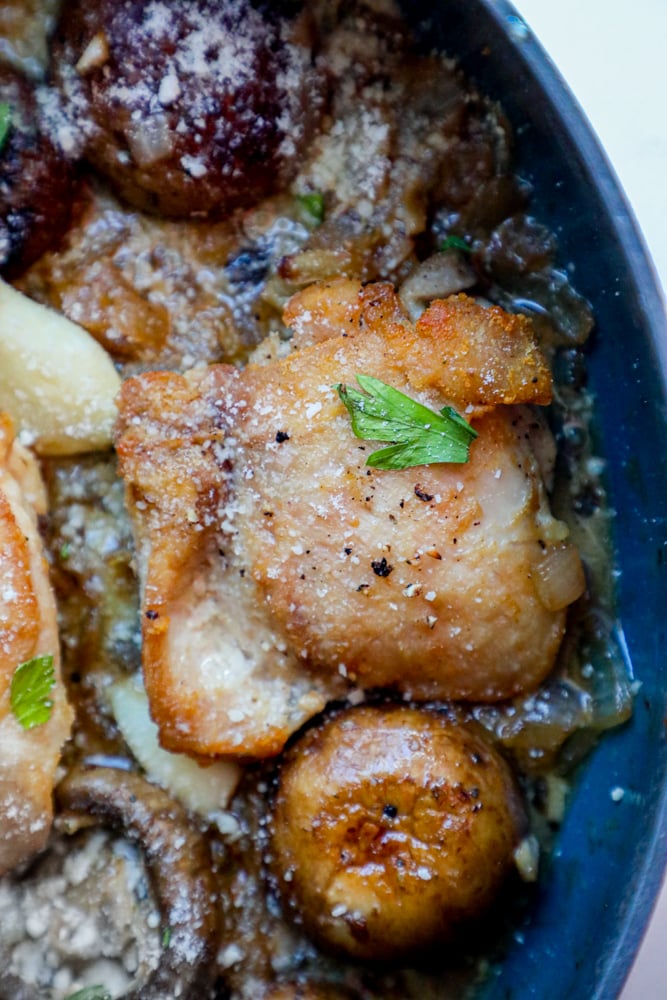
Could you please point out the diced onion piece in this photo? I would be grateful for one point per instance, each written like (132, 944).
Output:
(560, 577)
(527, 858)
(150, 140)
(309, 266)
(203, 789)
(556, 797)
(437, 277)
(95, 54)
(56, 382)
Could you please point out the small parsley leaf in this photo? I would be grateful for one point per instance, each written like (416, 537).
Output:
(5, 121)
(31, 689)
(455, 243)
(90, 993)
(313, 206)
(419, 436)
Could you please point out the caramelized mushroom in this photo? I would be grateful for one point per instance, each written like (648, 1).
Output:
(392, 827)
(37, 183)
(188, 108)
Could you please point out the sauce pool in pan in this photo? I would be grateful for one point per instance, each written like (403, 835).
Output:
(329, 551)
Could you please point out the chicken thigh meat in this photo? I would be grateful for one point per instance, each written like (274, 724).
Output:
(280, 572)
(29, 754)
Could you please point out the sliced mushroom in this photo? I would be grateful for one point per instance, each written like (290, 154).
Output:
(179, 863)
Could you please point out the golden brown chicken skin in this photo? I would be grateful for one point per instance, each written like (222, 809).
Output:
(28, 628)
(279, 571)
(391, 827)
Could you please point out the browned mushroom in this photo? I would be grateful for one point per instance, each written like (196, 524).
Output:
(188, 108)
(37, 182)
(393, 826)
(178, 860)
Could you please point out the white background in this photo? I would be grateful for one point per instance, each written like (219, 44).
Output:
(613, 55)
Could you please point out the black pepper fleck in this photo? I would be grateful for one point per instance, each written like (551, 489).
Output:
(282, 436)
(422, 494)
(381, 567)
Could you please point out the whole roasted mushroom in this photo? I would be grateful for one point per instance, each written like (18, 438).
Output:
(393, 826)
(37, 181)
(190, 108)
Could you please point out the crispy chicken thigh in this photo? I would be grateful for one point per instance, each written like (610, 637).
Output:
(28, 757)
(279, 571)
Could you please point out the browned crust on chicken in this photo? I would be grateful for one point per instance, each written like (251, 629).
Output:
(279, 571)
(173, 453)
(489, 357)
(28, 757)
(472, 355)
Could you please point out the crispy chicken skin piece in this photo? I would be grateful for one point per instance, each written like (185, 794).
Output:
(278, 570)
(28, 757)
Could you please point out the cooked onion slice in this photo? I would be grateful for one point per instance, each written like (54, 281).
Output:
(560, 577)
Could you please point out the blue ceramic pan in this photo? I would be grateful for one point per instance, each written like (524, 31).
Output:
(595, 899)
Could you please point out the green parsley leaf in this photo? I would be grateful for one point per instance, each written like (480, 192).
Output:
(455, 243)
(420, 436)
(90, 993)
(5, 121)
(313, 205)
(65, 551)
(31, 687)
(166, 937)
